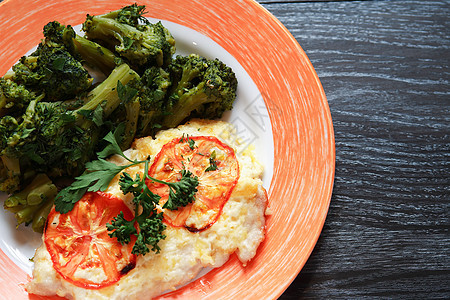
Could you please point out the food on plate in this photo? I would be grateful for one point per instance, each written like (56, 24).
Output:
(204, 200)
(217, 169)
(132, 37)
(203, 88)
(79, 241)
(122, 76)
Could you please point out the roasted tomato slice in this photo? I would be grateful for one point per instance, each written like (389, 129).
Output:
(215, 165)
(79, 245)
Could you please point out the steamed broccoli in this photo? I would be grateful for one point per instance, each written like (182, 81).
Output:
(95, 55)
(53, 118)
(193, 86)
(56, 137)
(201, 88)
(14, 98)
(132, 37)
(54, 72)
(107, 90)
(46, 139)
(86, 51)
(54, 68)
(59, 36)
(153, 100)
(33, 203)
(143, 104)
(10, 175)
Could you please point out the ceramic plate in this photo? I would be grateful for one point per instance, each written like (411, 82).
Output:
(281, 109)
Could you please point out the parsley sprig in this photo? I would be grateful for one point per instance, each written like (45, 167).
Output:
(149, 220)
(97, 177)
(182, 192)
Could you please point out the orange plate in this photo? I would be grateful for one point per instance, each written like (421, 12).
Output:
(303, 174)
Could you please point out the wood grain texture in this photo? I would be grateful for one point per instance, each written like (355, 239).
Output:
(384, 66)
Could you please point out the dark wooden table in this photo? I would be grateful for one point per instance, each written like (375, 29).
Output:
(384, 66)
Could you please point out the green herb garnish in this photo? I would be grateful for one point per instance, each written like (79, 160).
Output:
(188, 140)
(149, 220)
(182, 192)
(212, 162)
(97, 177)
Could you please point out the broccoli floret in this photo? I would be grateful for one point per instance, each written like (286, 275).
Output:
(108, 90)
(54, 72)
(88, 52)
(33, 203)
(40, 138)
(56, 138)
(54, 68)
(152, 96)
(10, 176)
(11, 131)
(131, 15)
(143, 103)
(132, 37)
(53, 137)
(201, 88)
(14, 98)
(122, 109)
(23, 72)
(8, 125)
(123, 121)
(95, 55)
(59, 36)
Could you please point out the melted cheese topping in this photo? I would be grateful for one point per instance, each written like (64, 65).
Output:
(240, 229)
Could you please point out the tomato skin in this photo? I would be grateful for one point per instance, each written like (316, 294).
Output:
(79, 244)
(215, 186)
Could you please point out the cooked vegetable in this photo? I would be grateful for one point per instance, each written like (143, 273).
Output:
(106, 94)
(54, 138)
(97, 177)
(32, 204)
(14, 98)
(96, 56)
(200, 88)
(87, 51)
(53, 116)
(132, 37)
(146, 216)
(38, 191)
(78, 242)
(53, 69)
(153, 100)
(192, 155)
